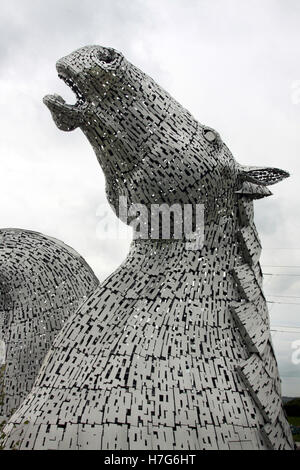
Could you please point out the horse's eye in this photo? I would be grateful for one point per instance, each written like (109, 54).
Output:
(210, 135)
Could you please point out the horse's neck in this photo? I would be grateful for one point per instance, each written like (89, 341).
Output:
(207, 270)
(216, 248)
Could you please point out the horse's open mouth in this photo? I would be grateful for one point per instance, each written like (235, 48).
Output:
(65, 75)
(71, 84)
(66, 116)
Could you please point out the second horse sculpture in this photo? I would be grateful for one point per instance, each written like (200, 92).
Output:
(42, 283)
(173, 351)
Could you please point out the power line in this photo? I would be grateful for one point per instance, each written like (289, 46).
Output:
(283, 303)
(289, 328)
(281, 327)
(286, 331)
(279, 266)
(285, 296)
(281, 274)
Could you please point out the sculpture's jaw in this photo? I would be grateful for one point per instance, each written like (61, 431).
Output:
(67, 117)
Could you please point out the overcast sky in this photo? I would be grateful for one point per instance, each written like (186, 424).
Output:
(234, 64)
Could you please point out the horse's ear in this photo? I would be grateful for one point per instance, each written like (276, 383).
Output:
(263, 175)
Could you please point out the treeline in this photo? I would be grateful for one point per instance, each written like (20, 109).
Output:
(292, 407)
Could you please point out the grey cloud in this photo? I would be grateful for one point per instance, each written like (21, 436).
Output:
(59, 27)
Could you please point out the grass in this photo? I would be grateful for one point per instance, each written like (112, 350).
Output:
(295, 420)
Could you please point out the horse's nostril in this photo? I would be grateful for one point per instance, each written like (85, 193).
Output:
(106, 55)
